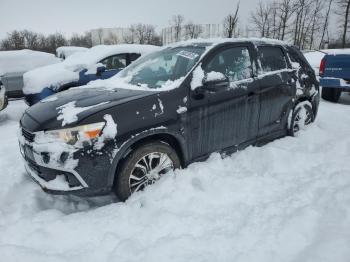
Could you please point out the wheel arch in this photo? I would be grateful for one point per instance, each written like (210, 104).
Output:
(314, 100)
(174, 140)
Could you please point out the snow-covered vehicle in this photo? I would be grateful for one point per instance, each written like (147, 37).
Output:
(335, 74)
(3, 97)
(13, 64)
(167, 110)
(65, 51)
(99, 62)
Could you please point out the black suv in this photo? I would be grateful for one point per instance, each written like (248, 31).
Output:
(167, 110)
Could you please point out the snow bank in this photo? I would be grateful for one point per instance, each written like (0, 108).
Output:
(68, 70)
(24, 60)
(286, 201)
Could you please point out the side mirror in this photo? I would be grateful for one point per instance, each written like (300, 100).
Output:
(100, 70)
(216, 81)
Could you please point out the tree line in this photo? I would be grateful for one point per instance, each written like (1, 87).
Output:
(304, 23)
(25, 39)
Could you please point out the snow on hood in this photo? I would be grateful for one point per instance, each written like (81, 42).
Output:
(68, 70)
(24, 60)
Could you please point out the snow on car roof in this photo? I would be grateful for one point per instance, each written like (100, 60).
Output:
(97, 53)
(67, 51)
(71, 48)
(345, 51)
(20, 61)
(217, 41)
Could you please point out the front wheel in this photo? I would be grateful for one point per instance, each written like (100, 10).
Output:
(143, 167)
(331, 94)
(301, 117)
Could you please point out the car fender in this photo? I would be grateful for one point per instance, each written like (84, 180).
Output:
(124, 148)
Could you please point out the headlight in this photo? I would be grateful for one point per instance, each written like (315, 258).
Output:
(73, 135)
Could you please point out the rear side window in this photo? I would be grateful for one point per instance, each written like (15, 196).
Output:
(115, 62)
(133, 57)
(235, 63)
(272, 58)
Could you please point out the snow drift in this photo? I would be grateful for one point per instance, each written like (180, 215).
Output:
(286, 201)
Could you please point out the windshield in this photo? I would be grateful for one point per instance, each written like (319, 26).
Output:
(162, 68)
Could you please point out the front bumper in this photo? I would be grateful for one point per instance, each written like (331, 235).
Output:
(331, 82)
(89, 177)
(52, 179)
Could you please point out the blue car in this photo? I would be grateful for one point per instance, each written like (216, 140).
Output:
(99, 62)
(335, 74)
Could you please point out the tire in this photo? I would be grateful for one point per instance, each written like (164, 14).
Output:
(331, 94)
(135, 172)
(302, 116)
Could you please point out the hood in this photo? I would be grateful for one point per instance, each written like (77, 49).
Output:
(68, 108)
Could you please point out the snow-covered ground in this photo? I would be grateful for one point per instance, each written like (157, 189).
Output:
(286, 201)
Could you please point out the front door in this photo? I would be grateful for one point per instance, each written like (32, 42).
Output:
(227, 115)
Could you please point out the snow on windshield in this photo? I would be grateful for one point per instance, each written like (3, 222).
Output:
(163, 70)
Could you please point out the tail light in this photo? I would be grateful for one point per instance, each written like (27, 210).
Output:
(322, 66)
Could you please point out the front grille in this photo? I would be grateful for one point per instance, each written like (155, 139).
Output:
(28, 136)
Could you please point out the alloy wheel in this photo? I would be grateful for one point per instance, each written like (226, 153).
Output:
(148, 170)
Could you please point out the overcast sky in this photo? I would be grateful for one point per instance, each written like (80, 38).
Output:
(68, 16)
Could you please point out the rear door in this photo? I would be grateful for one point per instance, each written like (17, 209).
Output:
(226, 117)
(277, 89)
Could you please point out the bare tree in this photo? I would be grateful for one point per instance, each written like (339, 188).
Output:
(16, 40)
(302, 22)
(343, 13)
(142, 34)
(316, 16)
(176, 22)
(30, 39)
(231, 23)
(100, 36)
(286, 10)
(326, 22)
(129, 37)
(192, 31)
(81, 40)
(112, 39)
(260, 19)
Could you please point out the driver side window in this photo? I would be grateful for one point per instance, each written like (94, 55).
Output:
(115, 62)
(234, 63)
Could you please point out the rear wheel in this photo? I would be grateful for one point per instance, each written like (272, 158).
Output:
(331, 94)
(302, 116)
(143, 167)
